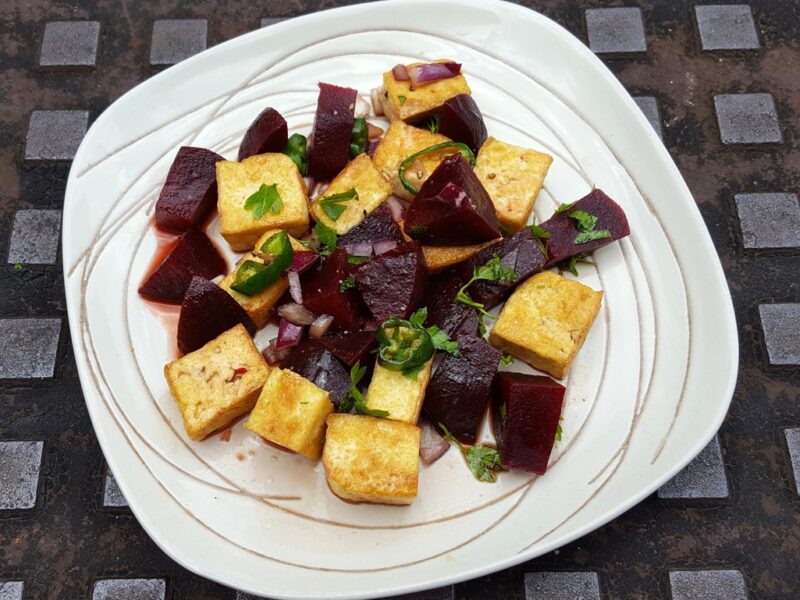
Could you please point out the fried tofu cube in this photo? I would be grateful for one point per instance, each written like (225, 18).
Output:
(237, 181)
(259, 305)
(217, 383)
(398, 394)
(399, 101)
(371, 187)
(440, 257)
(400, 142)
(367, 459)
(291, 412)
(513, 176)
(545, 322)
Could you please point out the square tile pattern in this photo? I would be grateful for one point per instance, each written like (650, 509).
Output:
(55, 134)
(70, 43)
(707, 585)
(11, 590)
(20, 463)
(793, 443)
(704, 477)
(562, 586)
(177, 39)
(28, 347)
(129, 589)
(747, 119)
(615, 30)
(769, 220)
(112, 495)
(649, 106)
(34, 237)
(726, 27)
(781, 323)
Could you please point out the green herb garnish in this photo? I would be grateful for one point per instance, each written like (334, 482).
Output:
(402, 100)
(565, 207)
(506, 359)
(481, 325)
(559, 431)
(440, 339)
(493, 270)
(327, 237)
(587, 223)
(265, 199)
(401, 170)
(297, 149)
(483, 461)
(359, 137)
(17, 267)
(431, 124)
(347, 284)
(335, 204)
(355, 399)
(357, 260)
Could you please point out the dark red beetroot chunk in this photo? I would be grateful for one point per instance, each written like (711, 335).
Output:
(350, 347)
(268, 133)
(315, 363)
(194, 255)
(461, 120)
(190, 192)
(450, 316)
(393, 283)
(526, 428)
(520, 252)
(206, 312)
(452, 207)
(329, 149)
(563, 229)
(459, 391)
(377, 226)
(322, 293)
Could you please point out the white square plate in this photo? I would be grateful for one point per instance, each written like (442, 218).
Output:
(647, 392)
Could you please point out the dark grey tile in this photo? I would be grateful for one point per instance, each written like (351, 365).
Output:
(20, 463)
(726, 27)
(177, 39)
(271, 21)
(55, 134)
(575, 585)
(769, 220)
(793, 442)
(34, 237)
(129, 589)
(70, 43)
(781, 323)
(112, 495)
(747, 119)
(649, 106)
(615, 29)
(707, 585)
(28, 347)
(11, 590)
(704, 477)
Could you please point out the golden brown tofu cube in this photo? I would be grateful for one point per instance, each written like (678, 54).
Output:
(439, 257)
(513, 176)
(237, 181)
(371, 187)
(399, 395)
(217, 383)
(399, 101)
(545, 321)
(259, 305)
(400, 142)
(367, 459)
(291, 412)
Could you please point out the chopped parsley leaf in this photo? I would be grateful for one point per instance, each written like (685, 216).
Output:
(493, 270)
(347, 284)
(335, 204)
(483, 461)
(506, 359)
(587, 226)
(265, 199)
(355, 399)
(327, 238)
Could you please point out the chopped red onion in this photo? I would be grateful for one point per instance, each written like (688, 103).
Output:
(309, 181)
(319, 189)
(432, 72)
(358, 249)
(384, 246)
(400, 73)
(289, 334)
(375, 97)
(397, 207)
(302, 260)
(297, 314)
(273, 354)
(295, 291)
(320, 326)
(362, 108)
(431, 445)
(372, 145)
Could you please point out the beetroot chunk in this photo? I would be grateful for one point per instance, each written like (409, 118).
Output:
(329, 149)
(377, 226)
(563, 229)
(323, 295)
(268, 133)
(459, 390)
(206, 312)
(194, 255)
(450, 316)
(393, 283)
(525, 413)
(350, 347)
(311, 360)
(452, 207)
(461, 120)
(190, 192)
